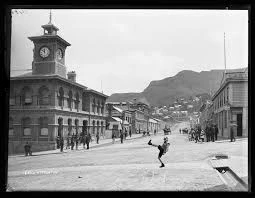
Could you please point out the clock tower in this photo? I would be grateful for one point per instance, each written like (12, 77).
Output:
(49, 52)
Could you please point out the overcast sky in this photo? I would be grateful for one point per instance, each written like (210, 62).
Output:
(121, 51)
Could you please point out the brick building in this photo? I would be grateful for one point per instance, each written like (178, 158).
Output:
(230, 102)
(48, 102)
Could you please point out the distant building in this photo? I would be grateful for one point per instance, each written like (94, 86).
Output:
(230, 102)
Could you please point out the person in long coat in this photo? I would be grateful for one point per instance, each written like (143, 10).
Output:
(72, 141)
(212, 132)
(232, 135)
(121, 136)
(61, 144)
(88, 139)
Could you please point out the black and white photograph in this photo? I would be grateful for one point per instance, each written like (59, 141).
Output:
(128, 100)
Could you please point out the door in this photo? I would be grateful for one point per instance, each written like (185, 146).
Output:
(239, 125)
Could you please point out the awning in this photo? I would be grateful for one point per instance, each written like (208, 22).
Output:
(153, 121)
(118, 109)
(117, 119)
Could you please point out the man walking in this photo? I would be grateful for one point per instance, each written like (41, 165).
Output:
(72, 141)
(232, 135)
(130, 134)
(121, 136)
(97, 137)
(113, 137)
(88, 139)
(61, 144)
(162, 149)
(27, 148)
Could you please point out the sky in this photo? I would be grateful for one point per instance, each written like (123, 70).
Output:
(120, 51)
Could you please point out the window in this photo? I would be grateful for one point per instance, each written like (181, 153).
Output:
(102, 108)
(70, 98)
(43, 121)
(27, 95)
(227, 94)
(77, 101)
(11, 130)
(43, 95)
(94, 105)
(61, 97)
(26, 125)
(98, 107)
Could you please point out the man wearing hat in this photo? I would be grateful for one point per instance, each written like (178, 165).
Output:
(232, 135)
(162, 149)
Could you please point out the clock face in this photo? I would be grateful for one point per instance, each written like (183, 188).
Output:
(44, 52)
(59, 54)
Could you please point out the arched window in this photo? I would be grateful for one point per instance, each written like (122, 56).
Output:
(27, 95)
(93, 127)
(98, 127)
(85, 125)
(44, 95)
(77, 100)
(102, 108)
(102, 127)
(61, 97)
(83, 101)
(26, 126)
(94, 105)
(76, 125)
(43, 122)
(70, 99)
(69, 121)
(98, 107)
(11, 129)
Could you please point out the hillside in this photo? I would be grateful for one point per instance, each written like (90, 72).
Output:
(184, 84)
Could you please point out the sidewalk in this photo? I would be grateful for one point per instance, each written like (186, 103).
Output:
(93, 144)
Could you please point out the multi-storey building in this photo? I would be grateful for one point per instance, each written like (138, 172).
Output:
(230, 102)
(47, 102)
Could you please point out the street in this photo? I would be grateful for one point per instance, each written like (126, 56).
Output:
(132, 165)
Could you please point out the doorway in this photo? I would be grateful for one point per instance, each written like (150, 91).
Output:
(239, 119)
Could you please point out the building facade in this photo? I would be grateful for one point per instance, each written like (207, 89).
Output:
(48, 102)
(230, 102)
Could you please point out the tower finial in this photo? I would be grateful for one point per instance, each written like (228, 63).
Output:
(50, 16)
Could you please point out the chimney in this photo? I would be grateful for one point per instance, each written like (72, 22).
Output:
(71, 76)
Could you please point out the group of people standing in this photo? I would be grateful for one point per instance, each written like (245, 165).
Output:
(122, 134)
(74, 140)
(210, 133)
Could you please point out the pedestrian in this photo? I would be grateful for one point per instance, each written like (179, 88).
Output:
(27, 148)
(121, 136)
(180, 130)
(126, 134)
(84, 139)
(232, 135)
(207, 132)
(196, 135)
(216, 132)
(72, 141)
(67, 142)
(61, 144)
(113, 137)
(130, 133)
(88, 139)
(202, 135)
(162, 149)
(58, 142)
(97, 137)
(155, 131)
(212, 132)
(76, 141)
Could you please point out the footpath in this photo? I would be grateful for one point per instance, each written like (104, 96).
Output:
(93, 144)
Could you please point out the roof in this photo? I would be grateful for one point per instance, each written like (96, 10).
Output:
(32, 38)
(118, 109)
(29, 76)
